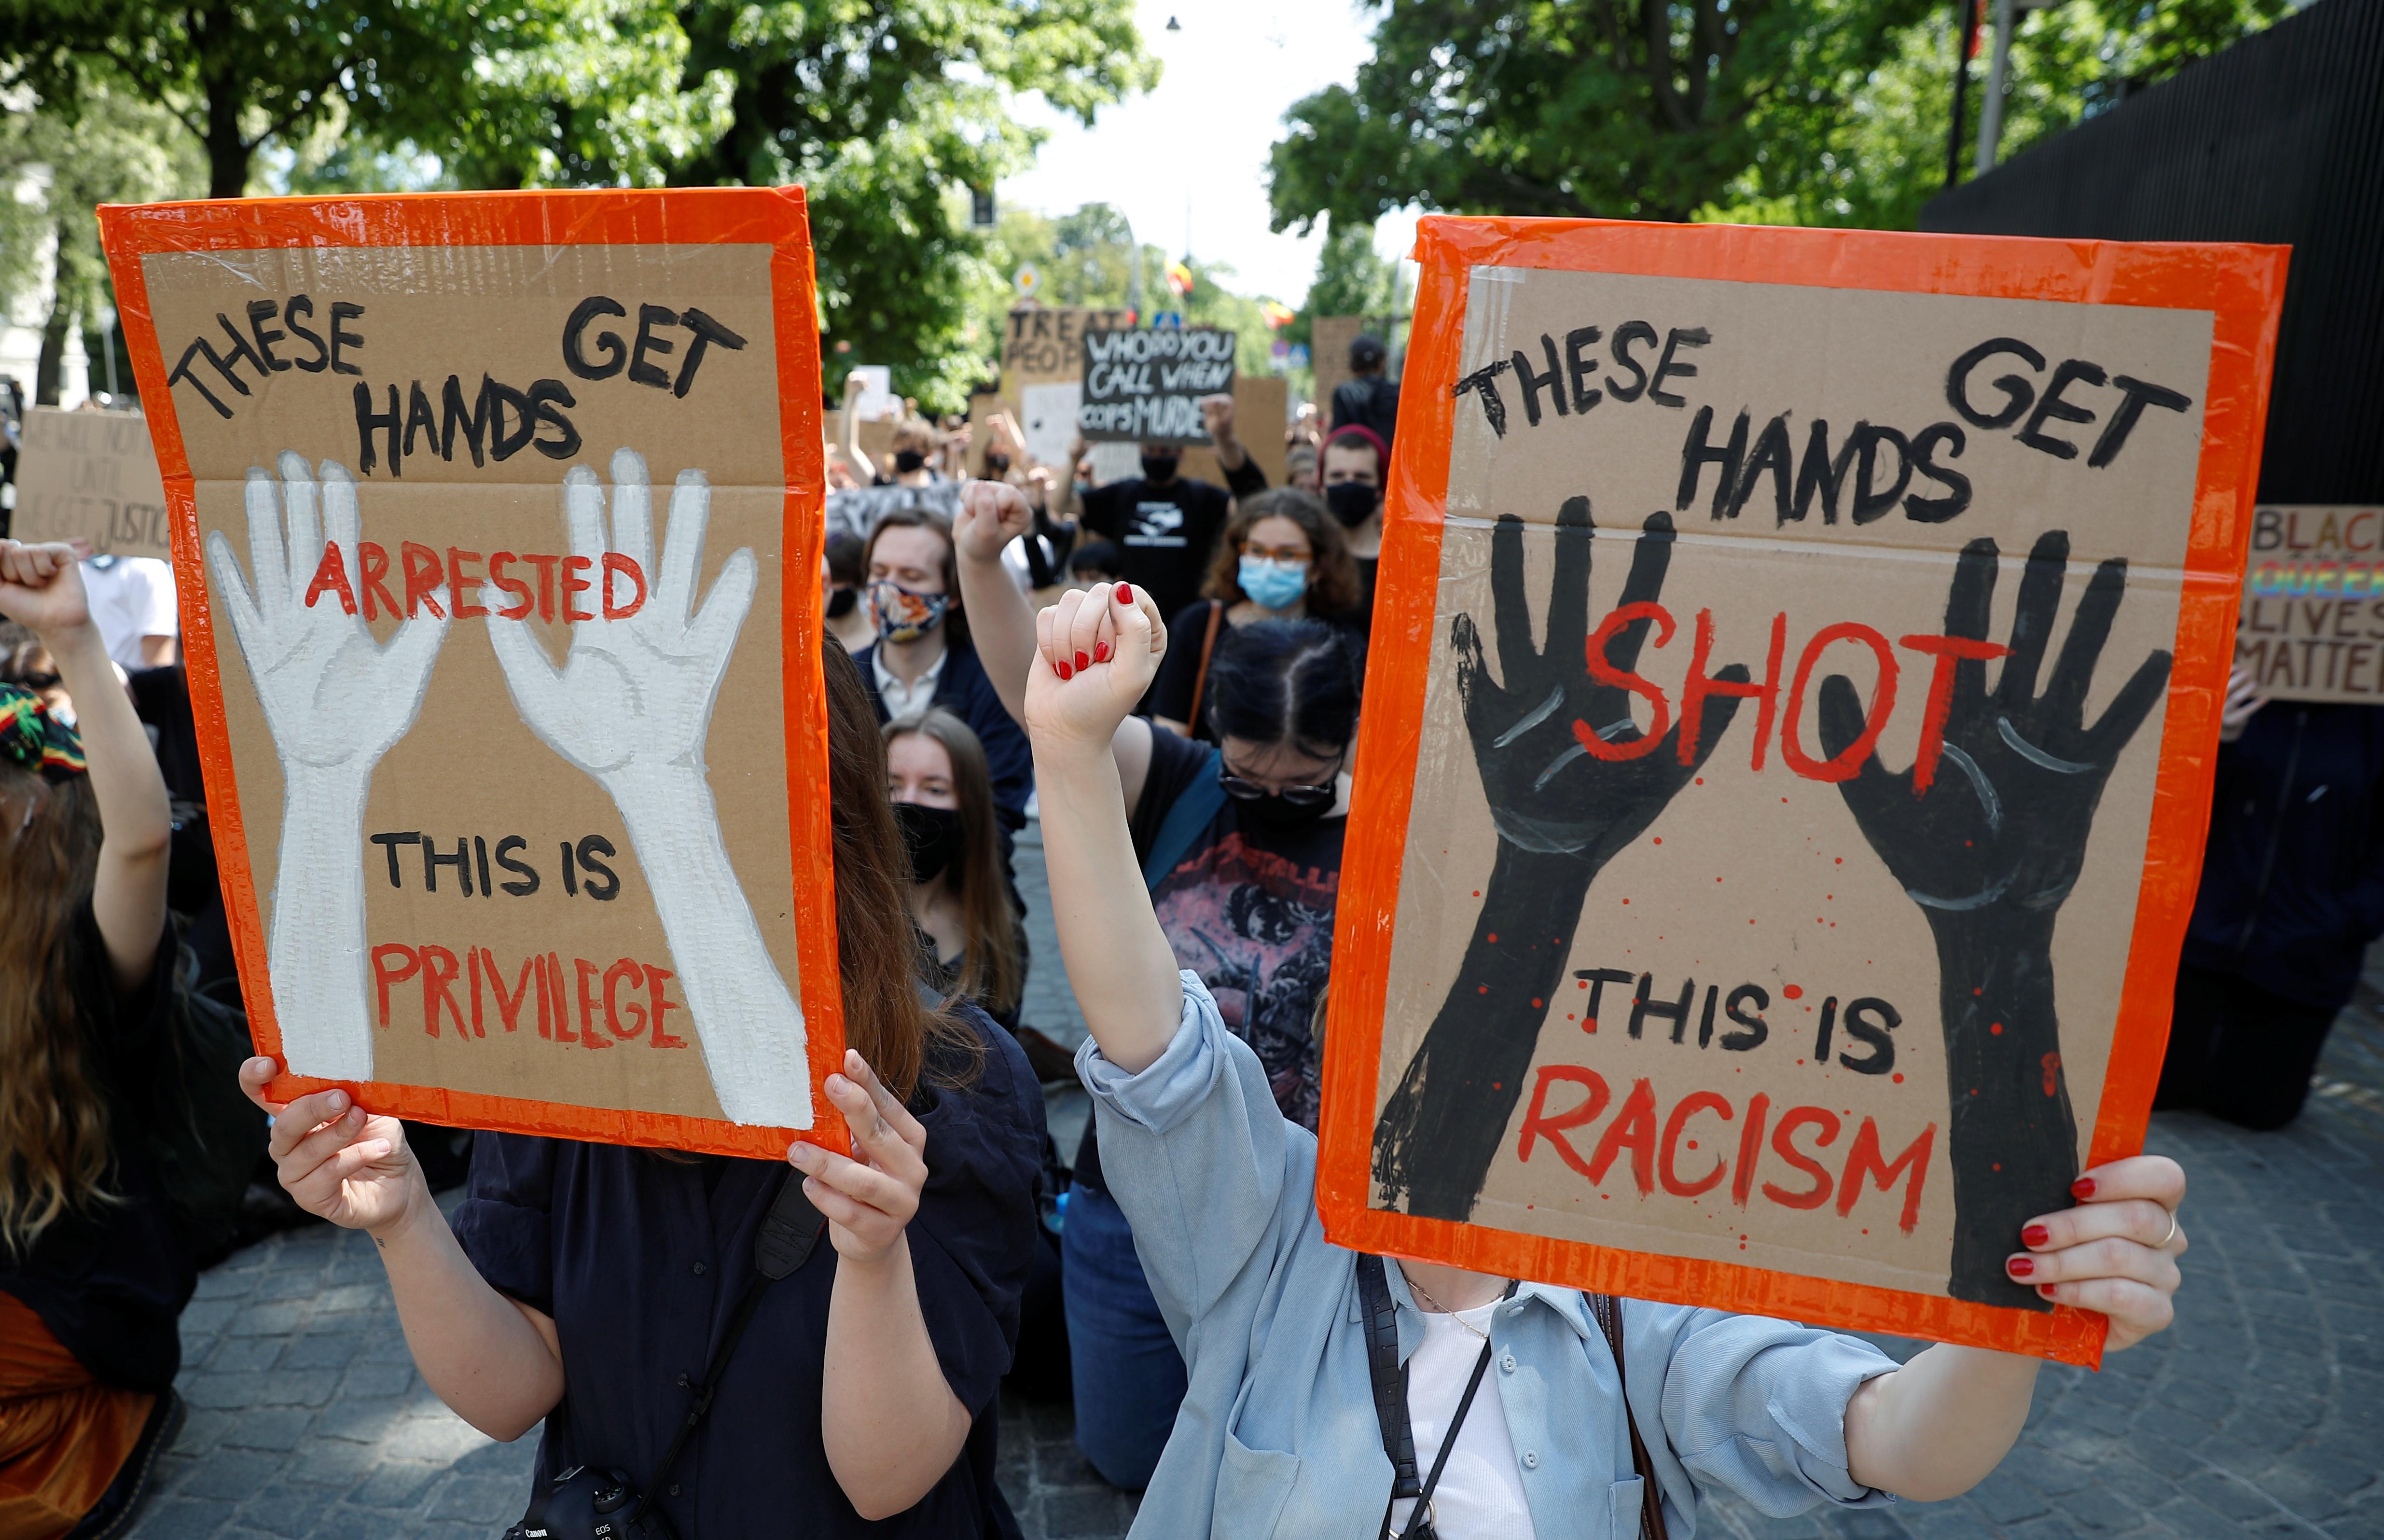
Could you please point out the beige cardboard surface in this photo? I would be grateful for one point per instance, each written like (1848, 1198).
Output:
(91, 476)
(1043, 344)
(468, 771)
(2311, 625)
(1762, 877)
(1328, 355)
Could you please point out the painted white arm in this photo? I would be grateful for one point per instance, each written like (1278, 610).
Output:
(335, 701)
(632, 707)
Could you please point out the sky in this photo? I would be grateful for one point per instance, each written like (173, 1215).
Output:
(1201, 141)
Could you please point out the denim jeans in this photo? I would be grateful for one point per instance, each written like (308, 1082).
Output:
(1129, 1378)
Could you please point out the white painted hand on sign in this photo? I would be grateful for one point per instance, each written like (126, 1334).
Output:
(335, 701)
(632, 706)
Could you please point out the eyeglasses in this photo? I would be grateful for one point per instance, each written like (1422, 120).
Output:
(1243, 789)
(1287, 555)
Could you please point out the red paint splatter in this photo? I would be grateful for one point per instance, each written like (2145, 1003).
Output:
(1537, 1002)
(1842, 860)
(1898, 1077)
(1482, 988)
(1658, 840)
(2052, 1073)
(1995, 1029)
(1701, 780)
(1494, 937)
(1794, 991)
(1693, 1144)
(1626, 900)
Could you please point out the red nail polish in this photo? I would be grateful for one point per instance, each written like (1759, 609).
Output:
(2082, 1187)
(2021, 1267)
(2035, 1235)
(1102, 652)
(2045, 1289)
(1083, 661)
(1063, 669)
(1125, 594)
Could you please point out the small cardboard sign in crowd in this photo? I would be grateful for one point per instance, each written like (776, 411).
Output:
(497, 524)
(1786, 751)
(91, 476)
(2312, 626)
(1143, 384)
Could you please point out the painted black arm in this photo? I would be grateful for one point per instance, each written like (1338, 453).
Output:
(1562, 811)
(1989, 846)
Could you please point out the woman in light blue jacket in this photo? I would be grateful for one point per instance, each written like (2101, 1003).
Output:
(1280, 1433)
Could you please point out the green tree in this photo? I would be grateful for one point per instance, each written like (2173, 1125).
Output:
(1351, 279)
(1813, 111)
(883, 112)
(105, 148)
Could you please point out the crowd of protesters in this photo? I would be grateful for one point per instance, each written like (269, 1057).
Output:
(1166, 674)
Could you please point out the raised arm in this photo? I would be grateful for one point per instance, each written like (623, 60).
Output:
(1002, 623)
(1936, 1427)
(1096, 652)
(495, 1362)
(41, 588)
(863, 465)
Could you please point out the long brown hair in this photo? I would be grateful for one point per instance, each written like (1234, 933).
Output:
(955, 622)
(990, 973)
(1332, 571)
(876, 951)
(53, 1121)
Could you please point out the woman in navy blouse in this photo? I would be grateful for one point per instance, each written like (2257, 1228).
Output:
(589, 1285)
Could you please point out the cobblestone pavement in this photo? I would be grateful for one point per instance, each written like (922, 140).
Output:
(2258, 1415)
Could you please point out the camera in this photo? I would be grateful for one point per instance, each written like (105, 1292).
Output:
(584, 1503)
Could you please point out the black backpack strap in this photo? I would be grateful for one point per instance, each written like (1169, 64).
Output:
(788, 1233)
(1608, 1309)
(1390, 1376)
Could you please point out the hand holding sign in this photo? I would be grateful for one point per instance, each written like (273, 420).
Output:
(335, 700)
(1989, 856)
(1571, 780)
(632, 706)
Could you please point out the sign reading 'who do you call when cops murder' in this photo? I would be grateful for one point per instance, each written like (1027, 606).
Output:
(477, 696)
(1786, 740)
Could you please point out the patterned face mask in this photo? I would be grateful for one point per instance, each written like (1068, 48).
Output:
(902, 616)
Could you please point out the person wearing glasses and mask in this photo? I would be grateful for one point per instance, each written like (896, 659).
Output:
(1281, 558)
(1240, 844)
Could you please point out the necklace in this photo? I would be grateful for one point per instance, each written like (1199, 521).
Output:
(1418, 1290)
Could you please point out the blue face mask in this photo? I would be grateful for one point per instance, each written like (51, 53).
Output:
(1272, 585)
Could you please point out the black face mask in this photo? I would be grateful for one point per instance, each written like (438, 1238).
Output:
(933, 836)
(841, 602)
(1353, 503)
(1276, 811)
(1159, 467)
(908, 460)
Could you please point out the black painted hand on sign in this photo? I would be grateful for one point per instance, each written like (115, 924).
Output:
(1562, 811)
(1989, 840)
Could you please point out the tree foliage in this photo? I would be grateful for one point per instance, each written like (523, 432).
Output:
(1820, 111)
(885, 111)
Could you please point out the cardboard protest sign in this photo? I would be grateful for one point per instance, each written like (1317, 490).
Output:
(91, 476)
(1747, 902)
(1143, 385)
(2311, 625)
(1043, 371)
(497, 524)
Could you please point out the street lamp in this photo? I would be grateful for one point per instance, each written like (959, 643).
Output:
(107, 339)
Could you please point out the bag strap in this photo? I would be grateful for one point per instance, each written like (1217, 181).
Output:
(1208, 648)
(1608, 1311)
(1195, 805)
(788, 1233)
(1390, 1383)
(1389, 1376)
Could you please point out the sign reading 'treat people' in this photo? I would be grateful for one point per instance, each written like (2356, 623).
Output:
(1786, 753)
(496, 521)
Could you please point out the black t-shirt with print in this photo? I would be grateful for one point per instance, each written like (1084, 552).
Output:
(1166, 534)
(1248, 907)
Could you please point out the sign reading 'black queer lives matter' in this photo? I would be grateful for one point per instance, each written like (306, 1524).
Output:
(1145, 385)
